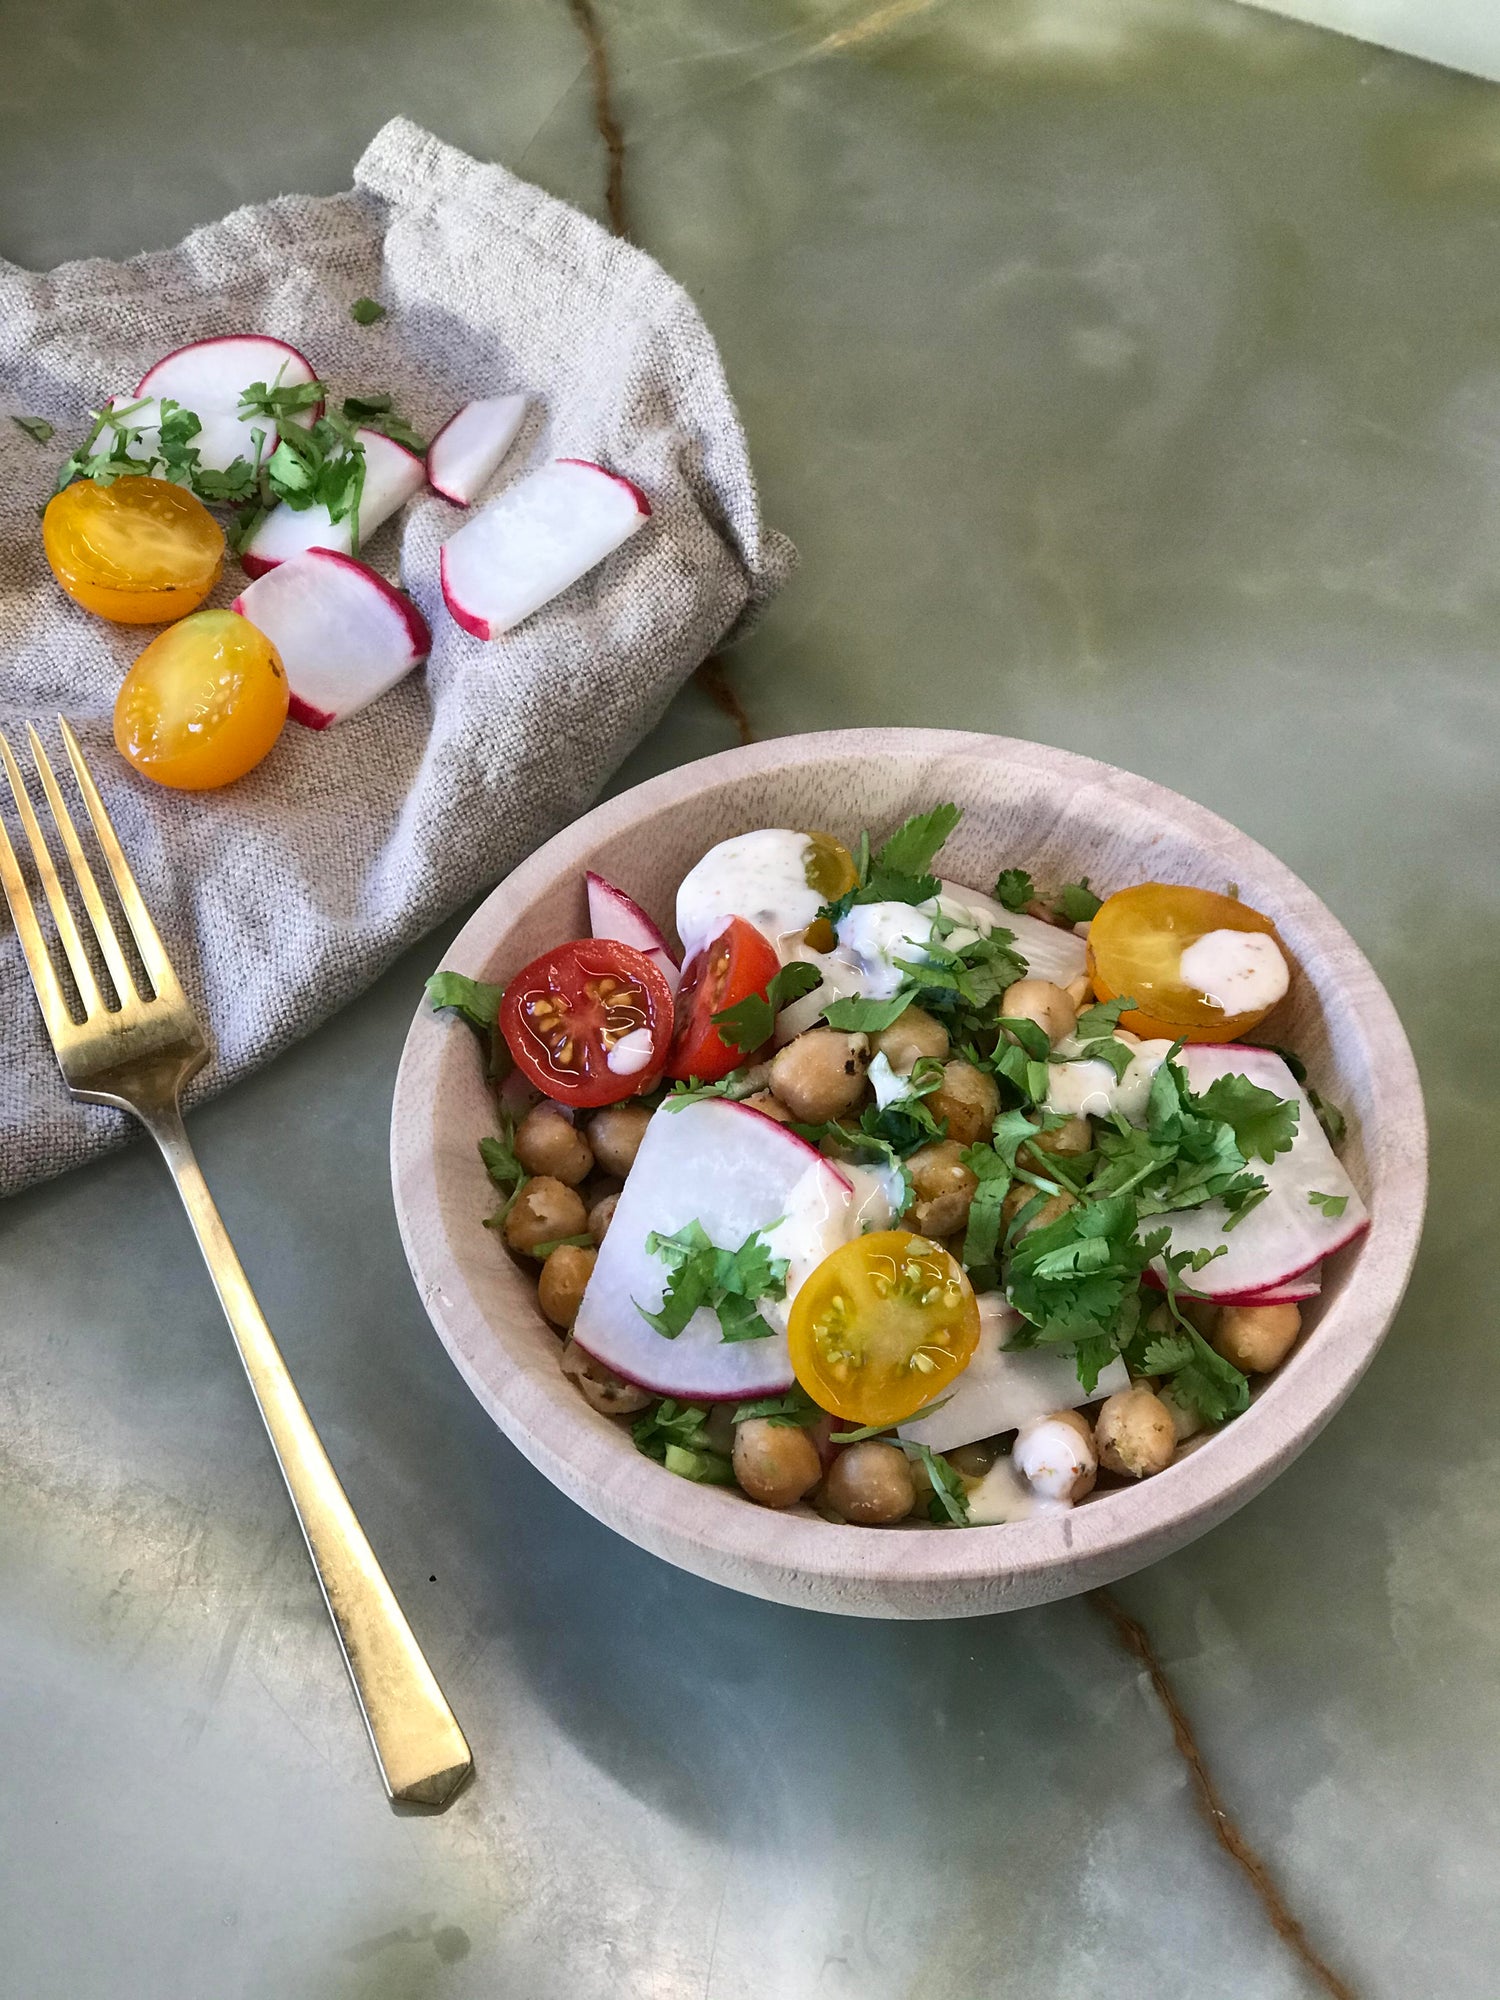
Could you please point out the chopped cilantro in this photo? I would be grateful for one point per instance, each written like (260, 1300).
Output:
(475, 999)
(1102, 1019)
(365, 312)
(1076, 902)
(676, 1436)
(859, 1016)
(899, 871)
(726, 1281)
(1263, 1123)
(742, 1082)
(1015, 889)
(374, 413)
(280, 402)
(542, 1251)
(1332, 1205)
(503, 1168)
(36, 428)
(796, 1407)
(950, 1501)
(748, 1024)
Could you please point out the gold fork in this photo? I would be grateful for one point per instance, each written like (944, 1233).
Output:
(137, 1055)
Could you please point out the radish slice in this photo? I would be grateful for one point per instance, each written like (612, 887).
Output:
(343, 633)
(1286, 1235)
(1050, 953)
(392, 475)
(734, 1170)
(999, 1392)
(209, 377)
(467, 451)
(613, 914)
(536, 538)
(1291, 1291)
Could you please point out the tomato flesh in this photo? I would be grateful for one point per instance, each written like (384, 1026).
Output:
(1135, 948)
(139, 552)
(738, 963)
(564, 1016)
(882, 1325)
(203, 704)
(831, 871)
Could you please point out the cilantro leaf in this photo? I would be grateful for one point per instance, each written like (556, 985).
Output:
(279, 402)
(1166, 1353)
(950, 1500)
(726, 1281)
(1105, 1049)
(748, 1024)
(36, 428)
(1076, 902)
(676, 1436)
(374, 413)
(1015, 889)
(365, 312)
(741, 1082)
(1332, 1205)
(475, 999)
(796, 1407)
(1263, 1123)
(913, 847)
(1102, 1019)
(859, 1016)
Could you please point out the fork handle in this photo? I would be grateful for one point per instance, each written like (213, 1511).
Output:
(421, 1750)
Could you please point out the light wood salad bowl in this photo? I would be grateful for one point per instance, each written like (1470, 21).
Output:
(1060, 816)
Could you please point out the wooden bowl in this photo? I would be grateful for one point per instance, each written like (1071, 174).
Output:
(1046, 810)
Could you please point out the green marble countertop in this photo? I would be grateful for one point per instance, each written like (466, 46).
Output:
(1129, 376)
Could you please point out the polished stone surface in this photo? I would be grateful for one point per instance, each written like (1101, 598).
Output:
(1129, 375)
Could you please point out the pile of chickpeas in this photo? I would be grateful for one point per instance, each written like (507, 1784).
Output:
(577, 1169)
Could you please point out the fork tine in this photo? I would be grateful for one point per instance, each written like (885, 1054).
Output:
(67, 930)
(55, 1010)
(88, 888)
(153, 952)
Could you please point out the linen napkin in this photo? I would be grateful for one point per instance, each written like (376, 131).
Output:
(283, 895)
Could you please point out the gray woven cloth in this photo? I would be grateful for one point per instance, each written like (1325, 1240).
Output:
(282, 896)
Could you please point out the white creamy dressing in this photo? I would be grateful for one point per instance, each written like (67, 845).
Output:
(1242, 972)
(631, 1053)
(999, 1497)
(890, 1085)
(1051, 1457)
(818, 1221)
(760, 876)
(1091, 1089)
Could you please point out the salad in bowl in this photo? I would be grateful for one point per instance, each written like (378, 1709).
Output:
(905, 1201)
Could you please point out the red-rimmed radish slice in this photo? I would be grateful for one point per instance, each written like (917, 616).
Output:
(999, 1391)
(533, 540)
(467, 451)
(733, 1170)
(208, 377)
(613, 914)
(392, 475)
(1287, 1234)
(1290, 1292)
(344, 634)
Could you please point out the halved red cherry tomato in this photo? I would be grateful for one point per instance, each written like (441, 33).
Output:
(589, 1022)
(881, 1325)
(738, 963)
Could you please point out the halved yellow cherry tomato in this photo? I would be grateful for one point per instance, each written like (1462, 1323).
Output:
(203, 704)
(881, 1326)
(141, 552)
(830, 870)
(1135, 947)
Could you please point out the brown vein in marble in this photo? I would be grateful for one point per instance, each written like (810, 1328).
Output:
(879, 23)
(1134, 1639)
(604, 113)
(713, 678)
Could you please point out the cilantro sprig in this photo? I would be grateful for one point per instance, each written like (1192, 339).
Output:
(748, 1024)
(728, 1282)
(1074, 902)
(676, 1436)
(477, 1002)
(36, 428)
(899, 870)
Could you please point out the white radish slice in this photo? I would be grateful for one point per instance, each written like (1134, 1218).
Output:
(999, 1392)
(344, 634)
(613, 914)
(533, 540)
(734, 1170)
(467, 451)
(392, 475)
(1049, 953)
(1286, 1234)
(1291, 1292)
(208, 377)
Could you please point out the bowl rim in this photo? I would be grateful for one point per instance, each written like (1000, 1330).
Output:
(800, 1558)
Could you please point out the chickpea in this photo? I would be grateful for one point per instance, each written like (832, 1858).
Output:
(969, 1099)
(1076, 1135)
(548, 1142)
(871, 1484)
(909, 1038)
(776, 1464)
(770, 1104)
(610, 1394)
(821, 1074)
(543, 1211)
(943, 1188)
(1186, 1422)
(601, 1215)
(1057, 1456)
(1134, 1433)
(560, 1289)
(1039, 1000)
(1256, 1338)
(973, 1461)
(615, 1133)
